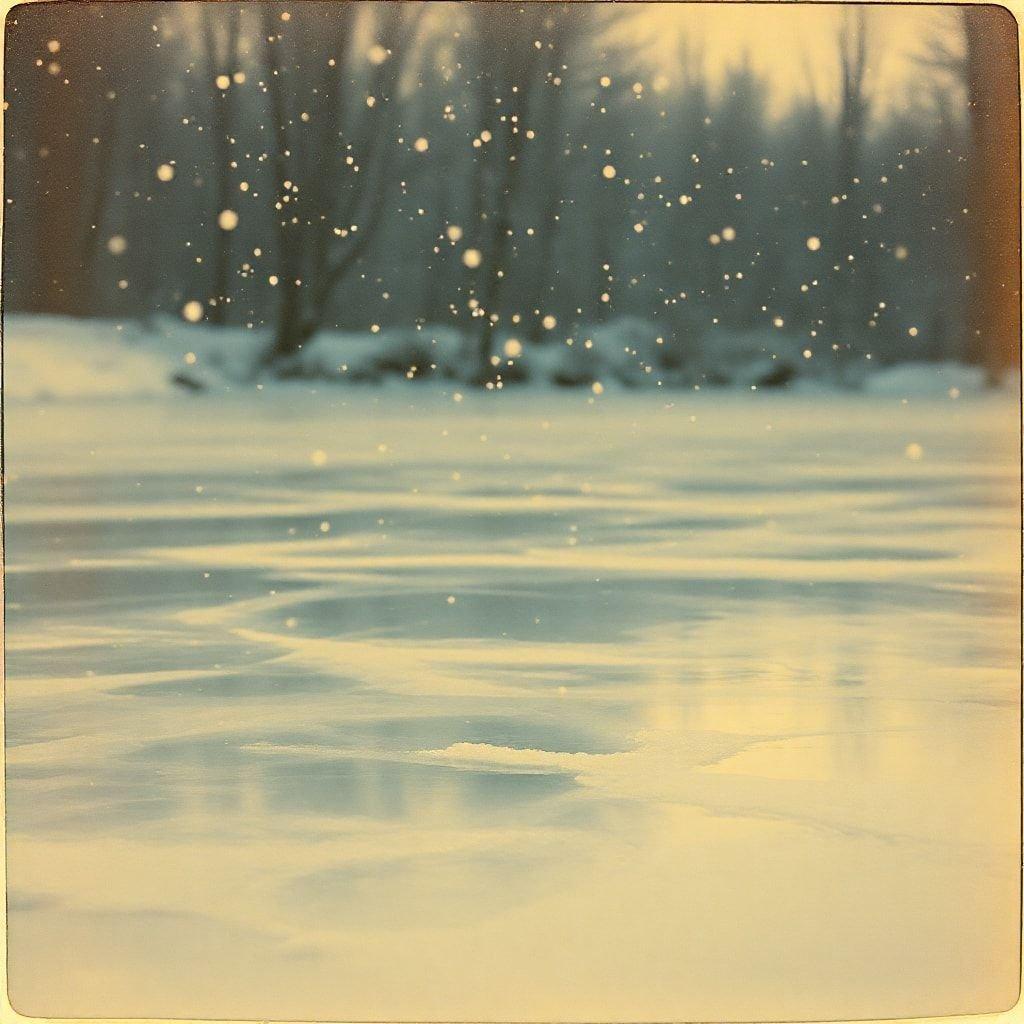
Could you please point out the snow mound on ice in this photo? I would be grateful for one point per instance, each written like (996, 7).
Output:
(47, 357)
(926, 380)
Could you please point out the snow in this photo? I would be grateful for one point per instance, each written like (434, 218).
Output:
(928, 379)
(50, 357)
(646, 705)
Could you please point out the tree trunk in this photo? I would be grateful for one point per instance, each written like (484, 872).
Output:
(303, 241)
(223, 104)
(291, 330)
(845, 308)
(512, 67)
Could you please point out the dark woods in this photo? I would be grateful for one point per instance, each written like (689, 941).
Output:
(504, 167)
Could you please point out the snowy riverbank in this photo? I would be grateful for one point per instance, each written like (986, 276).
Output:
(53, 357)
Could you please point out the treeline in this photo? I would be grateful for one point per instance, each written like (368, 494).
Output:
(507, 168)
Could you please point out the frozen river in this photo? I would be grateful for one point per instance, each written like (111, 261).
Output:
(376, 704)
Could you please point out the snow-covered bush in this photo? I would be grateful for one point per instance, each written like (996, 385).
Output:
(761, 358)
(412, 353)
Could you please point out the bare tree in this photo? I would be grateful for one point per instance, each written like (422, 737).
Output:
(221, 35)
(507, 62)
(563, 28)
(321, 238)
(854, 106)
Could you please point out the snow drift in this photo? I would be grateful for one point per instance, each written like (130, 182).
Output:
(49, 357)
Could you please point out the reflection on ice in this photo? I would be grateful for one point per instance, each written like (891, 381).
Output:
(587, 719)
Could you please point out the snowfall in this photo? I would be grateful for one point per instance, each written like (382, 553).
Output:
(419, 701)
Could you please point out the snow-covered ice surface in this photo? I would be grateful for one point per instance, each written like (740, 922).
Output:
(373, 704)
